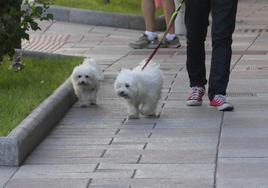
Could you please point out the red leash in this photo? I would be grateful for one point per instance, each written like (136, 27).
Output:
(171, 21)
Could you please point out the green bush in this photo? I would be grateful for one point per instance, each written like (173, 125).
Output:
(16, 18)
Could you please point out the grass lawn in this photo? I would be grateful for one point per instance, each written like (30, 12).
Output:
(21, 92)
(132, 7)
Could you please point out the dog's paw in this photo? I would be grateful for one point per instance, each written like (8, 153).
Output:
(133, 116)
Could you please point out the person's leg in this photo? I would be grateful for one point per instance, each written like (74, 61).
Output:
(196, 21)
(223, 25)
(168, 9)
(148, 12)
(149, 38)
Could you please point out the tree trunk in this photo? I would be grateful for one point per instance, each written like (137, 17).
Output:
(17, 5)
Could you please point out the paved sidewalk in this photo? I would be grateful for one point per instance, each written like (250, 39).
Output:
(187, 147)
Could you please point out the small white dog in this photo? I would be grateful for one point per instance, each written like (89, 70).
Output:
(86, 79)
(140, 88)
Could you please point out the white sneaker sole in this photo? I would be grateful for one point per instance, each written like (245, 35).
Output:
(224, 107)
(194, 103)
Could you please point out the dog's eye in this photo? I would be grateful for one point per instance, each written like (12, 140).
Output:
(79, 76)
(127, 85)
(87, 76)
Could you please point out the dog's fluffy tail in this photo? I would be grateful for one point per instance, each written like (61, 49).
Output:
(92, 62)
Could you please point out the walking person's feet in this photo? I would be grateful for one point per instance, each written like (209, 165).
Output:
(195, 99)
(144, 42)
(174, 43)
(219, 101)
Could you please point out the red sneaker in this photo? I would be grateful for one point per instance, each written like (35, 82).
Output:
(219, 101)
(195, 99)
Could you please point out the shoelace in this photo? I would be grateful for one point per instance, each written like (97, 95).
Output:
(220, 99)
(197, 92)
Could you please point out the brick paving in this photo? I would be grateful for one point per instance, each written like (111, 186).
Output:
(185, 147)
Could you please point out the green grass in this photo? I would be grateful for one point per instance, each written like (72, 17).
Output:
(21, 92)
(131, 7)
(122, 6)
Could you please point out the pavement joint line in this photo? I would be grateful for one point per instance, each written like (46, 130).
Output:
(139, 159)
(253, 41)
(89, 182)
(118, 130)
(96, 168)
(145, 145)
(91, 29)
(217, 151)
(110, 143)
(117, 60)
(103, 153)
(134, 173)
(237, 61)
(83, 36)
(154, 125)
(234, 157)
(166, 98)
(161, 109)
(124, 121)
(13, 174)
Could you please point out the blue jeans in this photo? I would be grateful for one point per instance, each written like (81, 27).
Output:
(223, 14)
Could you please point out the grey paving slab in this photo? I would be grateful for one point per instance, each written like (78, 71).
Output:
(48, 182)
(244, 147)
(179, 171)
(150, 183)
(183, 156)
(242, 172)
(54, 171)
(5, 174)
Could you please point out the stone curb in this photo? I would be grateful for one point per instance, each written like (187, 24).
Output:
(102, 19)
(21, 141)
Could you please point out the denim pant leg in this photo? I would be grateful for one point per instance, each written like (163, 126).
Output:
(196, 21)
(223, 25)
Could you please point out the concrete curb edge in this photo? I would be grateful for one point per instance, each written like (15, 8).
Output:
(21, 141)
(102, 18)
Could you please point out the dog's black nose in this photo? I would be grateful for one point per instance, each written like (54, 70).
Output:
(122, 93)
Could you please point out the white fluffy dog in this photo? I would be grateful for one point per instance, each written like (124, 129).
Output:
(86, 79)
(140, 88)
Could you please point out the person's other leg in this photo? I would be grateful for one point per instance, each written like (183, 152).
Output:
(196, 21)
(171, 41)
(148, 12)
(223, 25)
(168, 9)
